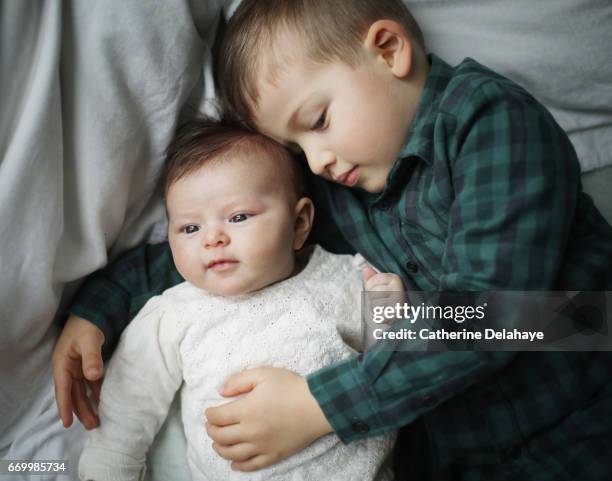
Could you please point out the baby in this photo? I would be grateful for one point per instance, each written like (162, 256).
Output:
(238, 219)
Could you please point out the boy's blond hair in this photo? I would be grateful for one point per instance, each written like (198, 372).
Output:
(331, 30)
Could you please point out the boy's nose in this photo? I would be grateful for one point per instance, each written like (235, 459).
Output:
(215, 238)
(321, 162)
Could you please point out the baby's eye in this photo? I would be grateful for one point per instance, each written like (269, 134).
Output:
(320, 123)
(239, 218)
(190, 229)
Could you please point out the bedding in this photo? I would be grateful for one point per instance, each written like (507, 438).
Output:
(90, 93)
(559, 50)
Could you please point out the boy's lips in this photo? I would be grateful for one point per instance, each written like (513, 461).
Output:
(221, 264)
(349, 178)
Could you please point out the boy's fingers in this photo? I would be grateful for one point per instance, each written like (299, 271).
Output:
(78, 402)
(241, 383)
(81, 405)
(378, 288)
(63, 386)
(92, 365)
(368, 272)
(222, 415)
(255, 463)
(238, 452)
(377, 285)
(384, 282)
(230, 435)
(91, 354)
(96, 386)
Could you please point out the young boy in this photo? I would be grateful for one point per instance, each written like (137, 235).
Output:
(453, 178)
(456, 179)
(237, 221)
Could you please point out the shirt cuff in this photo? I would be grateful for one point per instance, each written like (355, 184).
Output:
(380, 390)
(99, 302)
(348, 400)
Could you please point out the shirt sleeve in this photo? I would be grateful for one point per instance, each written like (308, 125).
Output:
(516, 183)
(112, 296)
(141, 380)
(381, 391)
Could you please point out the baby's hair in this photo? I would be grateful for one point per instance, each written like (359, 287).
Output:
(329, 30)
(206, 141)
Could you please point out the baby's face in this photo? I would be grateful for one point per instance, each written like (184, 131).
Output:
(231, 230)
(350, 122)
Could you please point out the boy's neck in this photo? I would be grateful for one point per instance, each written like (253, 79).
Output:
(414, 84)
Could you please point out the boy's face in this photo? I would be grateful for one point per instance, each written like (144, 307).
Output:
(231, 230)
(350, 122)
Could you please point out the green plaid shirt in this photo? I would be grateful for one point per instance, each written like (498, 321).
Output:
(484, 196)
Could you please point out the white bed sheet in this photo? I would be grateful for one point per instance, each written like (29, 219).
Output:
(90, 94)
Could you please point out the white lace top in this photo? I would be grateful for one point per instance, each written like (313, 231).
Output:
(189, 336)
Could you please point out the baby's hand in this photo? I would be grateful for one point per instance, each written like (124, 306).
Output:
(77, 363)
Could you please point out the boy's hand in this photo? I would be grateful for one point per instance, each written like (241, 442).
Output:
(77, 363)
(389, 287)
(276, 418)
(380, 281)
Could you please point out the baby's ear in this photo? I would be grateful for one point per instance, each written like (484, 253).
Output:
(389, 42)
(304, 216)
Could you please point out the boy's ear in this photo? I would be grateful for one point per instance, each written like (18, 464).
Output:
(304, 216)
(388, 41)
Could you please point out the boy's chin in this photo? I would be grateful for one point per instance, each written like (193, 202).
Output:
(372, 186)
(376, 190)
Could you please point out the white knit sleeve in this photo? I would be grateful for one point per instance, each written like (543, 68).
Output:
(141, 380)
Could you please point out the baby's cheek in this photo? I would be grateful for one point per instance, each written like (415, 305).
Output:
(271, 253)
(186, 265)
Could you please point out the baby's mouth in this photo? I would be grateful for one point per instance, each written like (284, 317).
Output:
(221, 264)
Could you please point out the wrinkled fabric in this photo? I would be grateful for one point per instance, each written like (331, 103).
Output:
(90, 94)
(559, 50)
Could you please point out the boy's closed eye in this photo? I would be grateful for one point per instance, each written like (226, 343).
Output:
(321, 122)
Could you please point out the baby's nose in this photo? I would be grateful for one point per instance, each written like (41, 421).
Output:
(215, 238)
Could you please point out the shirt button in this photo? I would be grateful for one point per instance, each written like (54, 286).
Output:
(360, 427)
(412, 267)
